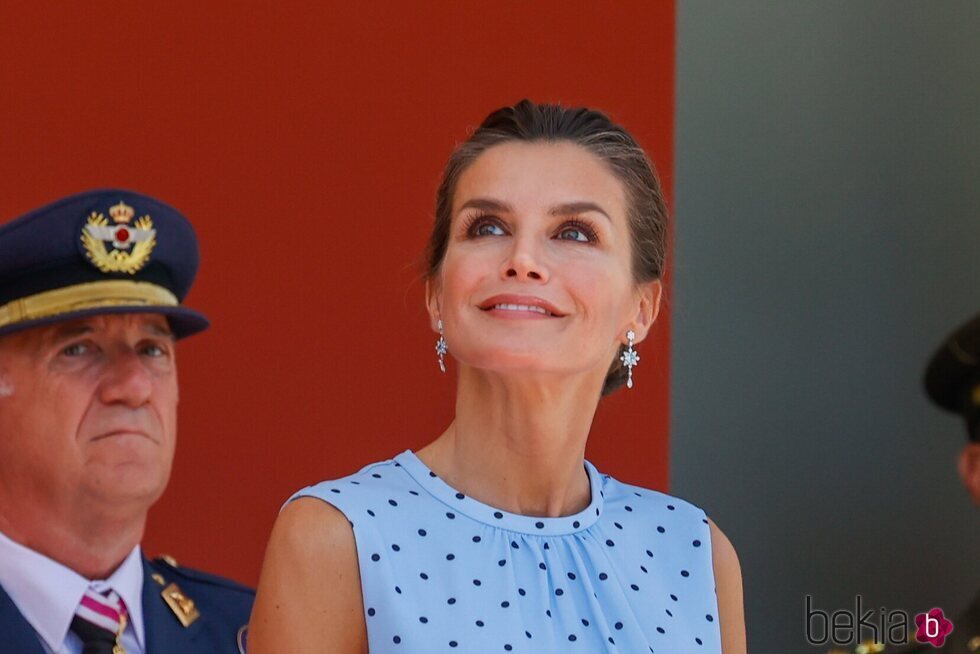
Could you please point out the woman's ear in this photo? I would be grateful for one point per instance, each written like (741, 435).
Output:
(969, 469)
(433, 302)
(649, 294)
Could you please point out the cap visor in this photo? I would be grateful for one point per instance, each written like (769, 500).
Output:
(183, 321)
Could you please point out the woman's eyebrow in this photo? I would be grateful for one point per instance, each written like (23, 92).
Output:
(577, 207)
(487, 204)
(564, 209)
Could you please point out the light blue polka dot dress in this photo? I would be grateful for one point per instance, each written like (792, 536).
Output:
(441, 572)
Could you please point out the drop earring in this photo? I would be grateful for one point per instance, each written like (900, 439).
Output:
(630, 358)
(441, 347)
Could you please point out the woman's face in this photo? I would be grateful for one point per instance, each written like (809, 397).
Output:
(537, 272)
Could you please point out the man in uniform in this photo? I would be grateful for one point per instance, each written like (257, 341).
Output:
(90, 309)
(953, 382)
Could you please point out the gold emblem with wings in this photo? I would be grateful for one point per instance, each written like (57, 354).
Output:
(131, 244)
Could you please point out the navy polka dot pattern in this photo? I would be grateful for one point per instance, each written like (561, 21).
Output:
(442, 572)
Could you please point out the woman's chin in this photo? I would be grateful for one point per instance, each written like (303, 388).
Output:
(519, 364)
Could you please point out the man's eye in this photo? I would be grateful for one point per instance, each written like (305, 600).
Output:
(75, 350)
(155, 351)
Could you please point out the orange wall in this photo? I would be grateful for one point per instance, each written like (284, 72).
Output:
(305, 141)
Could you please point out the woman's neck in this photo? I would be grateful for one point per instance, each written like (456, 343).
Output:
(518, 444)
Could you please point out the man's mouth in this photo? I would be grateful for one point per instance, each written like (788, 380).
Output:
(122, 432)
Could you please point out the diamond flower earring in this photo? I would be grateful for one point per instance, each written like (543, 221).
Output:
(441, 348)
(630, 358)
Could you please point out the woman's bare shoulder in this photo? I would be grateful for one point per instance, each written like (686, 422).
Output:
(308, 526)
(310, 590)
(728, 583)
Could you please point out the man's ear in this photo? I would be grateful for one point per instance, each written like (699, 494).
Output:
(6, 386)
(6, 380)
(433, 302)
(649, 295)
(969, 469)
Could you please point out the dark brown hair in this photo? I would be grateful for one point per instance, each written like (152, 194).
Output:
(594, 131)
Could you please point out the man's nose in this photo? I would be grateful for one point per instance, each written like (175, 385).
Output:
(126, 380)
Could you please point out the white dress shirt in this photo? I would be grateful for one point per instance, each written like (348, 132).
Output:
(47, 594)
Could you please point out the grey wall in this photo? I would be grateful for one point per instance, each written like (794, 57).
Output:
(828, 237)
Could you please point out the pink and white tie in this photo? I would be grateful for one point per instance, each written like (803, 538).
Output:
(100, 620)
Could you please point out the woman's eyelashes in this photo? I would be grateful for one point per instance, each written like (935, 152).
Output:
(577, 230)
(480, 225)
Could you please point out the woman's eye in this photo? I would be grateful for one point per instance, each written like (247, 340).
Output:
(488, 229)
(574, 234)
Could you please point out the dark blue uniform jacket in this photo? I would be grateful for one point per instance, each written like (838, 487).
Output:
(224, 608)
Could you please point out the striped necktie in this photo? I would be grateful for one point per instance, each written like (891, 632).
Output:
(99, 621)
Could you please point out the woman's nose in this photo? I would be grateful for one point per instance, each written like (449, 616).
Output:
(524, 263)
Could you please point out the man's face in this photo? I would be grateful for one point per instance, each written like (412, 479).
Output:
(88, 414)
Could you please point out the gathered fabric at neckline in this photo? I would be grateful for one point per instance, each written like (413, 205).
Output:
(456, 501)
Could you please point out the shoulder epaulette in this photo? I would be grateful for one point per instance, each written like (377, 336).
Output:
(167, 565)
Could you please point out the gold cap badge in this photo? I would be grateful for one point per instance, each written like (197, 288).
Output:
(131, 245)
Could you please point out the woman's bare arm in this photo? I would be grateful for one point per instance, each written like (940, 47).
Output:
(309, 595)
(728, 582)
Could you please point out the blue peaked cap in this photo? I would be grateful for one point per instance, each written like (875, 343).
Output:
(97, 252)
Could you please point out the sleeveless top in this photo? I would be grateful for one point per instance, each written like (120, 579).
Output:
(442, 572)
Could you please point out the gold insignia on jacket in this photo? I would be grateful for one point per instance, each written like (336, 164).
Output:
(131, 244)
(183, 607)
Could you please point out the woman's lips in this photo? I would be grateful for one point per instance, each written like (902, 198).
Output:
(520, 305)
(519, 311)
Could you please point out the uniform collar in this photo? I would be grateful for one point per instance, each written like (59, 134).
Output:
(47, 592)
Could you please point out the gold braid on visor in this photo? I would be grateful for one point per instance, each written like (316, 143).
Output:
(91, 295)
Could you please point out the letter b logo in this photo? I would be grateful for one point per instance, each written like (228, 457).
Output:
(932, 627)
